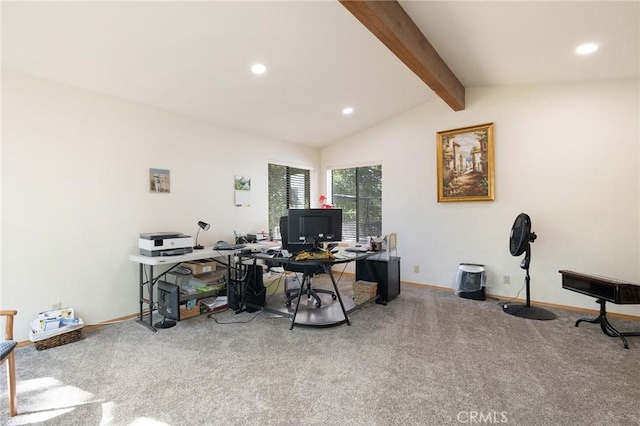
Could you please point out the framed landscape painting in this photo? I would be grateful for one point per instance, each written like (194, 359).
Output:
(159, 180)
(465, 164)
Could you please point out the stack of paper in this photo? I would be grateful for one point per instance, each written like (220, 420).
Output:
(60, 320)
(215, 304)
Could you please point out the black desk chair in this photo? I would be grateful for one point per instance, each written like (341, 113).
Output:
(308, 271)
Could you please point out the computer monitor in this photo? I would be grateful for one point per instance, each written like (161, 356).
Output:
(314, 226)
(168, 304)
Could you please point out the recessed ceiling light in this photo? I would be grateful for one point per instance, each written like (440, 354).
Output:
(347, 110)
(586, 48)
(258, 69)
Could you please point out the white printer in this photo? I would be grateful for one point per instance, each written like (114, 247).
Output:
(164, 244)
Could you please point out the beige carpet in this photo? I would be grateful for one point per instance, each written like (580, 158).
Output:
(427, 358)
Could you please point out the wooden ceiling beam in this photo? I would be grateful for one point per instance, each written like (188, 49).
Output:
(389, 22)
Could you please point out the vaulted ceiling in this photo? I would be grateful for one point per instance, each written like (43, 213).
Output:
(194, 58)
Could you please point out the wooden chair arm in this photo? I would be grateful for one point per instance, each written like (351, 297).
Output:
(8, 332)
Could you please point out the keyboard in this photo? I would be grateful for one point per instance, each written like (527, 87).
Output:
(228, 246)
(361, 249)
(343, 254)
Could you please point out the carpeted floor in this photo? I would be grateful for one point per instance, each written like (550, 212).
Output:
(427, 358)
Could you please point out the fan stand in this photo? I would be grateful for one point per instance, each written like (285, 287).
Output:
(527, 311)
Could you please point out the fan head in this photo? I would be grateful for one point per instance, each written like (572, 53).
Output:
(521, 235)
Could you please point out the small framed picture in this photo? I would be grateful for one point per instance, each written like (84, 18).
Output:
(465, 164)
(159, 180)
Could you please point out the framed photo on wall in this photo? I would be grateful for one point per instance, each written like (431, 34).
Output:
(465, 164)
(159, 180)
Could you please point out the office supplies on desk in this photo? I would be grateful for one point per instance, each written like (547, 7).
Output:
(255, 237)
(314, 255)
(182, 270)
(174, 252)
(223, 245)
(357, 249)
(205, 227)
(215, 304)
(343, 254)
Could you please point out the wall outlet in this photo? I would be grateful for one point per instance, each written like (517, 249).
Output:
(416, 268)
(56, 306)
(506, 279)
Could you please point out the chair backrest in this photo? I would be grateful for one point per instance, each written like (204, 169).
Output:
(294, 248)
(7, 345)
(8, 329)
(5, 348)
(284, 231)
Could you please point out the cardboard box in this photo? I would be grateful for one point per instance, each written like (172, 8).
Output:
(189, 313)
(202, 266)
(363, 291)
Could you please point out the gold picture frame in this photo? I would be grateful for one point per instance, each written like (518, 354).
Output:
(465, 164)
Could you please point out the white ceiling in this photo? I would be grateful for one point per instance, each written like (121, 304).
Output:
(193, 58)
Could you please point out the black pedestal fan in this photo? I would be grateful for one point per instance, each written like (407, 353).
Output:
(520, 242)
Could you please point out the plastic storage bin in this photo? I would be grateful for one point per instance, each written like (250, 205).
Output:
(470, 281)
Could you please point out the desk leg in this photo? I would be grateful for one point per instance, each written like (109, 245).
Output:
(305, 277)
(606, 326)
(150, 303)
(327, 269)
(141, 287)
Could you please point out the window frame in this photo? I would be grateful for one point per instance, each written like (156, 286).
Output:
(361, 229)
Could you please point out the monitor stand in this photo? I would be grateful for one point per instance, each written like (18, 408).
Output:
(164, 323)
(317, 247)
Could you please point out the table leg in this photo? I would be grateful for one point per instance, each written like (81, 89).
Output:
(305, 277)
(150, 303)
(141, 288)
(327, 269)
(606, 326)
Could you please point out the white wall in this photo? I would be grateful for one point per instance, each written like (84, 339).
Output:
(75, 193)
(567, 155)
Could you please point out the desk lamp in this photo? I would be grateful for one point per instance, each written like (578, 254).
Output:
(201, 225)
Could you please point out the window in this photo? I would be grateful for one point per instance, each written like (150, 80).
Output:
(358, 192)
(289, 187)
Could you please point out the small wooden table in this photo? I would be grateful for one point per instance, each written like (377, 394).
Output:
(604, 290)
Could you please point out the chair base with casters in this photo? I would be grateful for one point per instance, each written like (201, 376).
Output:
(305, 288)
(6, 355)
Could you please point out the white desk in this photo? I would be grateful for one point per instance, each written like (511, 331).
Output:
(147, 263)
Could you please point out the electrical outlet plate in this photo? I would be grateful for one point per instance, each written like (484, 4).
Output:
(56, 306)
(416, 268)
(506, 279)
